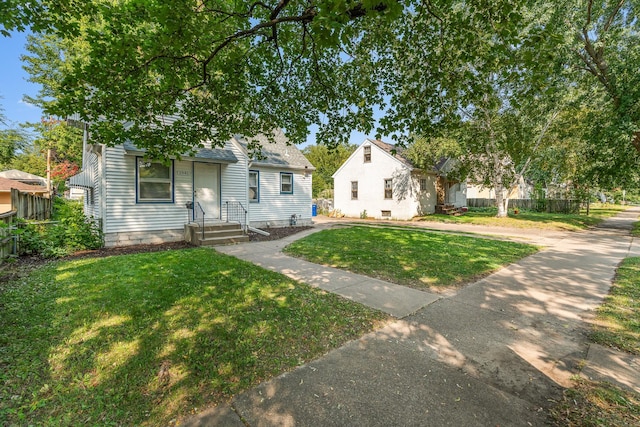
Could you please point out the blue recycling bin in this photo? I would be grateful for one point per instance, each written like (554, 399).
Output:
(314, 210)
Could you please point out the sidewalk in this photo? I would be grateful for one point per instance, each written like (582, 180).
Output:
(492, 354)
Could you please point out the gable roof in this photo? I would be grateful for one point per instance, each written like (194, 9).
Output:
(22, 176)
(7, 184)
(393, 150)
(277, 153)
(397, 153)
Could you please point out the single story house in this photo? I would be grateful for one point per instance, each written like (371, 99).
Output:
(7, 184)
(524, 190)
(24, 177)
(378, 181)
(139, 200)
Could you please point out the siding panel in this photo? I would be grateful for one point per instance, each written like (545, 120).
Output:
(408, 201)
(276, 207)
(124, 214)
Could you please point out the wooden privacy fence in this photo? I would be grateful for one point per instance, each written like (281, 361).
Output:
(539, 205)
(30, 206)
(7, 239)
(23, 206)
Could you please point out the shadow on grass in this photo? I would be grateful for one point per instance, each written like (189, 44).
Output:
(413, 258)
(144, 339)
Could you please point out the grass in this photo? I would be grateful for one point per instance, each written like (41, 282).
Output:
(148, 338)
(413, 258)
(592, 404)
(529, 219)
(618, 318)
(617, 325)
(635, 231)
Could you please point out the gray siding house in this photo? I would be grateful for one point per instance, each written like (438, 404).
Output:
(139, 200)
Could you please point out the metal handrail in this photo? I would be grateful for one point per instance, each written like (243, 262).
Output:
(236, 212)
(195, 215)
(196, 209)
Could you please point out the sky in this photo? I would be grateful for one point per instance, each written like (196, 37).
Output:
(14, 85)
(13, 82)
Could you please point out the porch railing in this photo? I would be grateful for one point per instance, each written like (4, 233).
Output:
(237, 213)
(196, 214)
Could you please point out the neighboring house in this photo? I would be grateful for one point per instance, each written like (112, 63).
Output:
(143, 201)
(24, 177)
(523, 190)
(378, 181)
(7, 184)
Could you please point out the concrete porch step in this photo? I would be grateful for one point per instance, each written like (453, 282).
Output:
(212, 234)
(214, 241)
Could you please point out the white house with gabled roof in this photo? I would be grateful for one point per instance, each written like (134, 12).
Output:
(138, 200)
(377, 181)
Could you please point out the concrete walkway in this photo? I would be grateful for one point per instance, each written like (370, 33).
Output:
(494, 353)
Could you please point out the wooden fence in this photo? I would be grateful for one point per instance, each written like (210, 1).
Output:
(538, 205)
(29, 206)
(24, 206)
(7, 239)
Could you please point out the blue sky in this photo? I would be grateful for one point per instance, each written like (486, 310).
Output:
(13, 82)
(14, 85)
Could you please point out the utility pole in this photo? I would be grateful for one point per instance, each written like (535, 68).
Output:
(49, 172)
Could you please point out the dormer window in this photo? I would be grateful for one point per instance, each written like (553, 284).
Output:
(367, 154)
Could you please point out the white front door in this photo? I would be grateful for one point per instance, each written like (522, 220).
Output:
(206, 188)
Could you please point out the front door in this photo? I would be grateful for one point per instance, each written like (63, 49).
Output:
(206, 188)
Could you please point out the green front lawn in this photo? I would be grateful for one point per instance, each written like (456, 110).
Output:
(146, 339)
(618, 319)
(415, 258)
(528, 219)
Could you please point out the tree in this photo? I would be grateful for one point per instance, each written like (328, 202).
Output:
(12, 140)
(166, 75)
(495, 126)
(327, 161)
(63, 140)
(606, 52)
(30, 161)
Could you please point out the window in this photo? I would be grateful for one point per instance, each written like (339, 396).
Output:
(423, 184)
(385, 213)
(388, 189)
(154, 181)
(254, 186)
(367, 154)
(354, 190)
(286, 183)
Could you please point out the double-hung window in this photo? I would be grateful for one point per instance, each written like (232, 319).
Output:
(354, 190)
(388, 189)
(423, 184)
(154, 181)
(367, 154)
(286, 183)
(254, 186)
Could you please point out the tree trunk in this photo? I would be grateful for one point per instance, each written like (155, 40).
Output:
(502, 200)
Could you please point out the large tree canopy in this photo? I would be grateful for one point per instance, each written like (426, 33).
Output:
(171, 74)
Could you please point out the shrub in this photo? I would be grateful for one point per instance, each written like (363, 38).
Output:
(70, 231)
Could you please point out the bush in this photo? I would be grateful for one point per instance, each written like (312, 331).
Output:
(70, 231)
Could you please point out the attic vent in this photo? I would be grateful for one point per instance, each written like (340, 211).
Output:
(386, 213)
